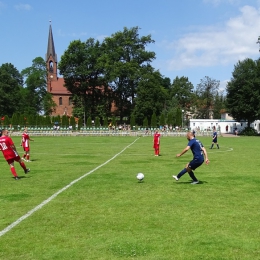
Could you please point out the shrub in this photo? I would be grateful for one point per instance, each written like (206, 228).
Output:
(248, 131)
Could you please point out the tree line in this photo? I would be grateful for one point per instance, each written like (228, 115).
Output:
(119, 72)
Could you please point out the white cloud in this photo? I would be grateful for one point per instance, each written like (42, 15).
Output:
(25, 7)
(211, 46)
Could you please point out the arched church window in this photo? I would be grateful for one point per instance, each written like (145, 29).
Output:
(51, 66)
(60, 101)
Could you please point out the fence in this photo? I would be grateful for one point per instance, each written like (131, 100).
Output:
(45, 131)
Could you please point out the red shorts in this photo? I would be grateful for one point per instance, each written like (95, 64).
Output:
(26, 149)
(156, 146)
(17, 159)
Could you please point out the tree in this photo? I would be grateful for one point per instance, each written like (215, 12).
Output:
(15, 120)
(83, 76)
(162, 119)
(243, 91)
(145, 122)
(182, 91)
(125, 61)
(179, 116)
(150, 96)
(72, 122)
(206, 90)
(89, 122)
(64, 121)
(219, 105)
(154, 120)
(132, 121)
(97, 122)
(35, 90)
(10, 90)
(105, 122)
(170, 119)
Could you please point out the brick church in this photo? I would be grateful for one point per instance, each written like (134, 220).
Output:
(55, 84)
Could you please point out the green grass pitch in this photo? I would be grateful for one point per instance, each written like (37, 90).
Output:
(109, 215)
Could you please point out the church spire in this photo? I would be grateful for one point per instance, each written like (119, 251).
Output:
(51, 62)
(50, 47)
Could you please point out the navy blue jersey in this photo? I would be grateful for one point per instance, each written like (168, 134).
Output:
(215, 136)
(196, 148)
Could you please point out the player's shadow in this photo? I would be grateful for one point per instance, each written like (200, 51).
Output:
(189, 182)
(24, 177)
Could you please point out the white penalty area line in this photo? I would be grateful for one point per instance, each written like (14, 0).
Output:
(29, 213)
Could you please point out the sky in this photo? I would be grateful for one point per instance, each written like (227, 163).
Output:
(193, 38)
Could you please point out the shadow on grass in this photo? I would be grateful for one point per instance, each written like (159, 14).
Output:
(23, 177)
(189, 182)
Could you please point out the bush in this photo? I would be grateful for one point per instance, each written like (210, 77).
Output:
(248, 131)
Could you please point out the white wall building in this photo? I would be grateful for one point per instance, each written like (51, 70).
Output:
(225, 125)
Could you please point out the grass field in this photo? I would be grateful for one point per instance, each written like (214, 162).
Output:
(109, 215)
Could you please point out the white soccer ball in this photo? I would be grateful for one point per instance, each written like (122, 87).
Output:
(140, 176)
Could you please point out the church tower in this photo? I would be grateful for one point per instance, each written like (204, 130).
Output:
(56, 85)
(51, 61)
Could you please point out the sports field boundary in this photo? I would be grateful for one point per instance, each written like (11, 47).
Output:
(29, 213)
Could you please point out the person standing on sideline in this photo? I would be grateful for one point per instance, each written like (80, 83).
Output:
(199, 156)
(194, 132)
(26, 146)
(10, 154)
(156, 143)
(214, 138)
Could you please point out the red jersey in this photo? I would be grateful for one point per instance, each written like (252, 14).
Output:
(156, 140)
(6, 147)
(25, 140)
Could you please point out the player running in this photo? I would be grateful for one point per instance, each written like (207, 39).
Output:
(10, 154)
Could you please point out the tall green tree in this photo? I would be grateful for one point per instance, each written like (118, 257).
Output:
(181, 90)
(150, 96)
(83, 76)
(35, 90)
(89, 122)
(219, 104)
(132, 121)
(145, 122)
(206, 92)
(170, 119)
(125, 61)
(154, 120)
(10, 90)
(243, 91)
(162, 119)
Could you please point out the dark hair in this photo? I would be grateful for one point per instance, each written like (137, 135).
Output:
(1, 132)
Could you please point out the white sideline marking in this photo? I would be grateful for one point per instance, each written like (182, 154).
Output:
(29, 213)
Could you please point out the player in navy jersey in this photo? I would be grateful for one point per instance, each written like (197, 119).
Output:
(199, 156)
(214, 138)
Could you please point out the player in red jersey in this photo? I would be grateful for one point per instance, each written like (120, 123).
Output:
(10, 154)
(25, 144)
(156, 143)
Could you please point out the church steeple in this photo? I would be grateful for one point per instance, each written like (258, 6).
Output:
(51, 61)
(50, 47)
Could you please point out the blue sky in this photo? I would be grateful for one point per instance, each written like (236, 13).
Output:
(193, 38)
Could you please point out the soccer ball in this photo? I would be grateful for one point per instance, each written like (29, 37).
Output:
(140, 176)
